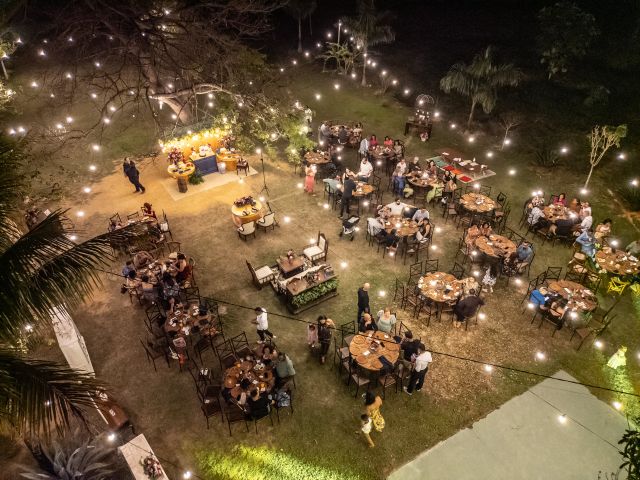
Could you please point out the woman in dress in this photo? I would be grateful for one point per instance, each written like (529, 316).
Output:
(310, 178)
(372, 404)
(386, 320)
(373, 141)
(490, 277)
(603, 230)
(147, 210)
(388, 142)
(560, 200)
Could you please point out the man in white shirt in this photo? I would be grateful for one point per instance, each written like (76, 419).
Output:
(421, 365)
(262, 324)
(420, 216)
(396, 208)
(366, 169)
(398, 177)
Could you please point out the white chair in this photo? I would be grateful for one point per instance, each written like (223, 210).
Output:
(269, 220)
(318, 251)
(261, 276)
(247, 229)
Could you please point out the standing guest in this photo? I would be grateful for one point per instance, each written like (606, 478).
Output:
(450, 184)
(312, 335)
(388, 142)
(373, 141)
(409, 348)
(348, 187)
(366, 425)
(343, 135)
(372, 404)
(132, 173)
(386, 320)
(128, 267)
(490, 277)
(284, 369)
(587, 242)
(366, 169)
(148, 211)
(398, 177)
(603, 230)
(467, 307)
(325, 332)
(363, 300)
(262, 324)
(421, 365)
(310, 178)
(363, 150)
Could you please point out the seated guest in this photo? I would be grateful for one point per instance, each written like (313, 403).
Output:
(343, 135)
(386, 320)
(633, 248)
(537, 200)
(397, 208)
(586, 223)
(450, 183)
(269, 354)
(421, 215)
(170, 291)
(148, 289)
(388, 142)
(414, 166)
(367, 324)
(398, 148)
(587, 242)
(560, 200)
(585, 210)
(183, 268)
(563, 227)
(536, 218)
(114, 225)
(432, 169)
(467, 307)
(473, 232)
(524, 253)
(357, 129)
(603, 230)
(373, 141)
(259, 405)
(132, 282)
(485, 229)
(366, 169)
(556, 312)
(424, 230)
(389, 239)
(147, 210)
(284, 369)
(574, 205)
(142, 259)
(127, 268)
(374, 225)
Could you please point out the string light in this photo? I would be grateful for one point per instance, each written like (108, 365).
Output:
(512, 171)
(318, 96)
(68, 75)
(34, 84)
(111, 437)
(488, 368)
(73, 238)
(343, 264)
(584, 191)
(186, 474)
(93, 95)
(95, 147)
(540, 356)
(598, 344)
(69, 119)
(617, 405)
(453, 126)
(507, 141)
(106, 120)
(80, 213)
(471, 139)
(621, 156)
(86, 189)
(562, 418)
(381, 293)
(336, 86)
(564, 150)
(286, 219)
(634, 182)
(294, 61)
(489, 154)
(407, 91)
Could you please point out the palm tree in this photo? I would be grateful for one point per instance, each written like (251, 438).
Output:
(301, 9)
(368, 28)
(480, 80)
(39, 271)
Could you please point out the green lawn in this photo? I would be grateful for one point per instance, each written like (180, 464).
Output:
(319, 437)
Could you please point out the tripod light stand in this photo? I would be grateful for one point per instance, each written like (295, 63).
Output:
(264, 178)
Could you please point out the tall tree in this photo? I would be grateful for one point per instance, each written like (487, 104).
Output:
(480, 80)
(39, 271)
(301, 9)
(601, 139)
(368, 29)
(566, 32)
(144, 53)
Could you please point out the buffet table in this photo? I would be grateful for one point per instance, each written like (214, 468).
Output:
(311, 288)
(134, 452)
(206, 165)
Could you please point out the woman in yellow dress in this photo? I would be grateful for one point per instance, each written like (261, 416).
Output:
(372, 404)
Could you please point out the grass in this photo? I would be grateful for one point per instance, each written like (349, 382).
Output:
(319, 437)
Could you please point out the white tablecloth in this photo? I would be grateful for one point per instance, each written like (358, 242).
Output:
(134, 452)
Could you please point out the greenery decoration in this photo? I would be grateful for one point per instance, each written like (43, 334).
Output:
(631, 451)
(314, 293)
(196, 178)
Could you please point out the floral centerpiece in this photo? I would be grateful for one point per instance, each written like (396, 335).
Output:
(152, 467)
(244, 201)
(175, 156)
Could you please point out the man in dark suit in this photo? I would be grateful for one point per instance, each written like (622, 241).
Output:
(363, 300)
(348, 187)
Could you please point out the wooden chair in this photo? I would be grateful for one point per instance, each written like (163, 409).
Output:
(410, 299)
(164, 226)
(553, 273)
(262, 276)
(348, 331)
(340, 354)
(240, 345)
(235, 414)
(317, 251)
(226, 354)
(211, 407)
(268, 221)
(415, 271)
(154, 353)
(389, 380)
(173, 246)
(431, 266)
(243, 165)
(246, 230)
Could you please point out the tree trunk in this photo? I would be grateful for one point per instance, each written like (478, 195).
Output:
(504, 139)
(299, 34)
(310, 27)
(181, 108)
(586, 183)
(364, 68)
(473, 107)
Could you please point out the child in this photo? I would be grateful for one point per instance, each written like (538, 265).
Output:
(312, 336)
(365, 428)
(490, 277)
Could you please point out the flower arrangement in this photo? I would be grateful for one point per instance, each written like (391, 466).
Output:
(244, 201)
(175, 156)
(152, 467)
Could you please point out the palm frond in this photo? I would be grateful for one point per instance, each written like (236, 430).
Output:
(11, 184)
(44, 269)
(38, 396)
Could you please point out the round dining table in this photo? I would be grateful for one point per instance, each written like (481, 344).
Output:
(184, 321)
(317, 158)
(476, 202)
(258, 373)
(230, 159)
(418, 179)
(617, 262)
(556, 212)
(405, 227)
(579, 298)
(367, 348)
(363, 189)
(495, 245)
(247, 213)
(440, 287)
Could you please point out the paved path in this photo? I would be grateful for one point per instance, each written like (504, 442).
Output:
(524, 439)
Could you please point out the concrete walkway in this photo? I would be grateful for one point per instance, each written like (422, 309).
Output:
(525, 439)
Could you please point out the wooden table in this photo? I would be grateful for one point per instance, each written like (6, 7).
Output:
(368, 348)
(317, 158)
(417, 179)
(230, 160)
(291, 267)
(433, 286)
(405, 227)
(111, 410)
(259, 374)
(184, 320)
(495, 245)
(381, 152)
(302, 294)
(579, 297)
(363, 189)
(556, 212)
(617, 262)
(247, 213)
(184, 171)
(476, 202)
